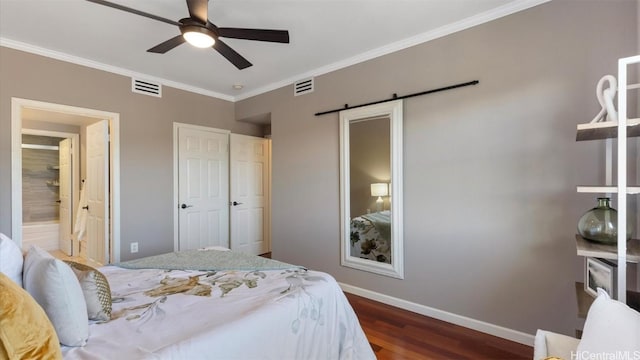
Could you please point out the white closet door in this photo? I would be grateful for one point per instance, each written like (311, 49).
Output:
(203, 188)
(249, 194)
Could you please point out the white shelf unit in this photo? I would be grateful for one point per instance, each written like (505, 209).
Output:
(607, 129)
(622, 129)
(591, 249)
(604, 189)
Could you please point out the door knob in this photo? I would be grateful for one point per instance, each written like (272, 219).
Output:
(235, 203)
(184, 206)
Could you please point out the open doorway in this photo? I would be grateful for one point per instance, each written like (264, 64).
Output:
(50, 186)
(51, 121)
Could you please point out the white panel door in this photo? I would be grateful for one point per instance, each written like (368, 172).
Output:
(203, 188)
(249, 194)
(66, 185)
(97, 192)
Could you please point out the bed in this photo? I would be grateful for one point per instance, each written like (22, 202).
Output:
(371, 236)
(196, 304)
(232, 307)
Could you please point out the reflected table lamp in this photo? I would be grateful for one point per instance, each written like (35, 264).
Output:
(379, 190)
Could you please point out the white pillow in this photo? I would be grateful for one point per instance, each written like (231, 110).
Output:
(10, 259)
(55, 287)
(611, 328)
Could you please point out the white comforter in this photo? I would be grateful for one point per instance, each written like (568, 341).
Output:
(273, 314)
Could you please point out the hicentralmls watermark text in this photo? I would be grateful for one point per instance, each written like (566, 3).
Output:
(612, 355)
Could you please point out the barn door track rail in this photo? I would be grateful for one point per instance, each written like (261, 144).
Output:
(396, 97)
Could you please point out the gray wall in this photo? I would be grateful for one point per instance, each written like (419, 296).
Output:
(146, 128)
(490, 171)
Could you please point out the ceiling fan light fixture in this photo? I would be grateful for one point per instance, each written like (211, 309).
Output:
(198, 31)
(198, 39)
(198, 36)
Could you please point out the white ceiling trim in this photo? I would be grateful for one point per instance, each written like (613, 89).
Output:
(469, 22)
(472, 21)
(108, 68)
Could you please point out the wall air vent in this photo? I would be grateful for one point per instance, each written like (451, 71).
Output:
(146, 87)
(303, 87)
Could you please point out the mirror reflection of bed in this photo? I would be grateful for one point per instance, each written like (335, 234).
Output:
(371, 236)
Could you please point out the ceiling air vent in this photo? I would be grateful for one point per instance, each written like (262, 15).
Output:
(146, 87)
(303, 87)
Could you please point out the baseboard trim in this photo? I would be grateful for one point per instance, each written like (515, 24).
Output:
(487, 328)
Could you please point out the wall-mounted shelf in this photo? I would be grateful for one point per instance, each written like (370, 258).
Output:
(606, 130)
(610, 252)
(602, 189)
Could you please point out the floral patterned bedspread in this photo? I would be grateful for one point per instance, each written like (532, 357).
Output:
(225, 314)
(371, 237)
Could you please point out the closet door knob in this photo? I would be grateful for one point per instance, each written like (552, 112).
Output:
(184, 206)
(235, 203)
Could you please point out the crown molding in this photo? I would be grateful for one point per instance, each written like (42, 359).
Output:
(442, 31)
(507, 9)
(17, 45)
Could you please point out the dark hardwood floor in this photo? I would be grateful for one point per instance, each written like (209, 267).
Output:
(399, 334)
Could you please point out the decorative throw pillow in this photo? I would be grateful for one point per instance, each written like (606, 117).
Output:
(10, 259)
(25, 330)
(611, 328)
(55, 287)
(96, 290)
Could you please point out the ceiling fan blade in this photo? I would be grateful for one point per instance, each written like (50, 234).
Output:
(280, 36)
(167, 45)
(231, 55)
(134, 11)
(199, 10)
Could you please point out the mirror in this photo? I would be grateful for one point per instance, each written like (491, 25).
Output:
(371, 188)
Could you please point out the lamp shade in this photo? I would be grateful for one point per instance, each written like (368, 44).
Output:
(379, 189)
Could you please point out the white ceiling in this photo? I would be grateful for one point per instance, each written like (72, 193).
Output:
(325, 35)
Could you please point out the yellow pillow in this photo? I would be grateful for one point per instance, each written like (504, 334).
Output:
(25, 329)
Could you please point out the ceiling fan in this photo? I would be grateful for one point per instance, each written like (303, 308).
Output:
(200, 32)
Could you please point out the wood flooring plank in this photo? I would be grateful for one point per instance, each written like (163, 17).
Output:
(400, 334)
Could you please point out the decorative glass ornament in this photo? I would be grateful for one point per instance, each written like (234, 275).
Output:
(600, 224)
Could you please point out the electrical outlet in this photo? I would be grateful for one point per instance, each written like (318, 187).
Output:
(134, 247)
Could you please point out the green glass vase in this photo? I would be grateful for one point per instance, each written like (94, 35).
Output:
(600, 224)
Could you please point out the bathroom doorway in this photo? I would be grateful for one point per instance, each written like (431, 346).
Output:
(53, 123)
(50, 187)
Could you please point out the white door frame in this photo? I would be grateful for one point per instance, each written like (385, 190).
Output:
(176, 187)
(17, 105)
